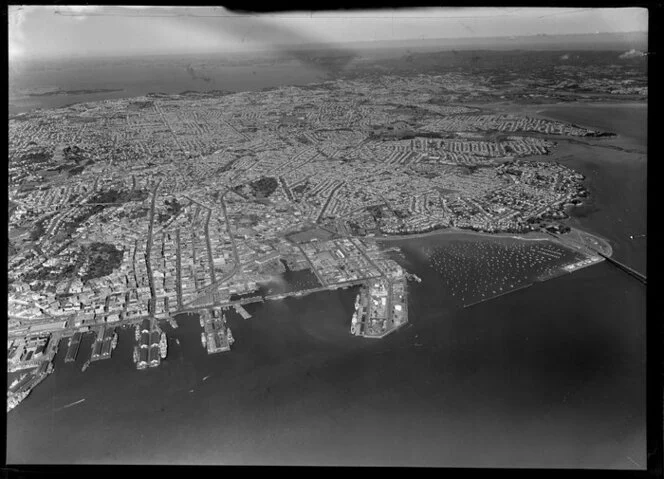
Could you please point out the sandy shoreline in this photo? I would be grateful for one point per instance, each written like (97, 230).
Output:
(450, 230)
(568, 241)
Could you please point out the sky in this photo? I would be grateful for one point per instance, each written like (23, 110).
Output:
(74, 31)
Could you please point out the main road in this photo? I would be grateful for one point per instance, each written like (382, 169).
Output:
(148, 249)
(236, 263)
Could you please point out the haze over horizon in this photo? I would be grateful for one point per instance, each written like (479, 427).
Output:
(91, 31)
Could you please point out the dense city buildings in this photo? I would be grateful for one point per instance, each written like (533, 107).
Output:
(130, 211)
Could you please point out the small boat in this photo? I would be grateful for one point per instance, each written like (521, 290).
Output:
(136, 355)
(203, 340)
(207, 377)
(86, 365)
(229, 335)
(177, 341)
(114, 342)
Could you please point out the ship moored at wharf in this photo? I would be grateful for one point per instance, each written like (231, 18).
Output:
(73, 346)
(14, 400)
(163, 346)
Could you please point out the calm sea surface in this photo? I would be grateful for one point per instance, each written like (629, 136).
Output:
(616, 175)
(551, 375)
(130, 77)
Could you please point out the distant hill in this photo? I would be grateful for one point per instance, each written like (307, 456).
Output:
(589, 41)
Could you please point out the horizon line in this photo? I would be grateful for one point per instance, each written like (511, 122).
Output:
(326, 45)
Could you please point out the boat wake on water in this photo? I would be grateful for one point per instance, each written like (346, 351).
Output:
(70, 405)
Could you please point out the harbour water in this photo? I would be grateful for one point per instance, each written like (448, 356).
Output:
(474, 268)
(548, 376)
(616, 176)
(555, 371)
(32, 84)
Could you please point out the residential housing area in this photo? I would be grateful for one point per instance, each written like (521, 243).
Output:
(133, 209)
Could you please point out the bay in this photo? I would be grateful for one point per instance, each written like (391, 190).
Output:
(548, 376)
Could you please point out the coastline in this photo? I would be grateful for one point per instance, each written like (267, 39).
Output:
(454, 230)
(530, 236)
(535, 108)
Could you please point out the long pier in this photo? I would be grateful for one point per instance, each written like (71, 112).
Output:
(72, 347)
(242, 312)
(102, 345)
(624, 267)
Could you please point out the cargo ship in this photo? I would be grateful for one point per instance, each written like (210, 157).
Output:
(16, 381)
(72, 347)
(229, 336)
(14, 400)
(143, 358)
(413, 276)
(163, 347)
(203, 340)
(135, 354)
(114, 341)
(137, 333)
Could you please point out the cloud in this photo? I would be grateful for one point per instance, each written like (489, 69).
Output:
(16, 19)
(76, 9)
(632, 54)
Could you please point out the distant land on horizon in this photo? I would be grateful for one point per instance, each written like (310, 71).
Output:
(587, 41)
